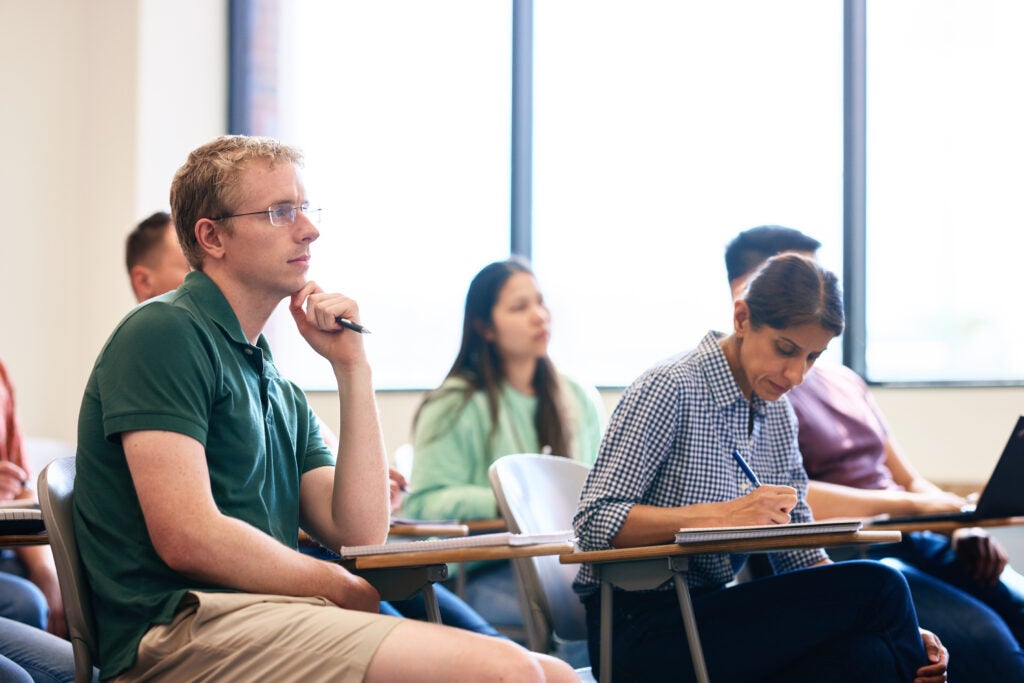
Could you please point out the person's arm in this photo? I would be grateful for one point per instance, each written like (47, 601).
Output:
(347, 504)
(903, 472)
(449, 472)
(835, 500)
(921, 496)
(651, 525)
(194, 538)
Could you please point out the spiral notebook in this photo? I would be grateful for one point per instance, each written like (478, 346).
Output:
(18, 520)
(732, 533)
(480, 540)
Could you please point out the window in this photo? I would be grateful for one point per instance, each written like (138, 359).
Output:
(659, 130)
(943, 184)
(662, 129)
(403, 110)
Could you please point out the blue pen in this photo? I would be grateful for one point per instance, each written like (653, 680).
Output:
(745, 467)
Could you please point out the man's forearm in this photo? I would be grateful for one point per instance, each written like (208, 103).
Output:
(361, 495)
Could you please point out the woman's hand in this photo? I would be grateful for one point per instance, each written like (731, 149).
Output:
(397, 488)
(766, 504)
(12, 480)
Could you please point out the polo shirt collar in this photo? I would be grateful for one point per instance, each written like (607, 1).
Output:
(211, 301)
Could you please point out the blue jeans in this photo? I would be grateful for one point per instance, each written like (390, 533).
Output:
(981, 626)
(12, 673)
(454, 612)
(38, 655)
(491, 590)
(847, 622)
(20, 599)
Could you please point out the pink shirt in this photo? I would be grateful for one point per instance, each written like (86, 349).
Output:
(10, 434)
(842, 432)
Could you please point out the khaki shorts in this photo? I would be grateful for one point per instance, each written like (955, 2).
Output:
(243, 637)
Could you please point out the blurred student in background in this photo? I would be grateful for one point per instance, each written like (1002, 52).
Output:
(154, 258)
(30, 600)
(502, 395)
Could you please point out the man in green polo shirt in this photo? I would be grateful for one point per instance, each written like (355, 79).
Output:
(197, 463)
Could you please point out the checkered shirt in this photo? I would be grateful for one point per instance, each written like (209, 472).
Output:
(670, 442)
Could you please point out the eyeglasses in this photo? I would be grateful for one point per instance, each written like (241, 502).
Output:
(280, 214)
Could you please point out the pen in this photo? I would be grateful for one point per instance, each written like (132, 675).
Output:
(349, 325)
(745, 467)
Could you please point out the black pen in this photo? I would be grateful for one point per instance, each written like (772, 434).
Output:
(349, 325)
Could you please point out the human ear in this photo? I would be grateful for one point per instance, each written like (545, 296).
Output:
(740, 317)
(140, 281)
(208, 236)
(485, 331)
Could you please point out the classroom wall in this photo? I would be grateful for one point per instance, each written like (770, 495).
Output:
(103, 101)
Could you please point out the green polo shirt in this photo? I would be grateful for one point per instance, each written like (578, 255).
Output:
(181, 363)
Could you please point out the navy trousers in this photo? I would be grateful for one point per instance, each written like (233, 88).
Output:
(846, 622)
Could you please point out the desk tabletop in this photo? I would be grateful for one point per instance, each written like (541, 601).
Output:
(749, 545)
(14, 540)
(425, 557)
(944, 527)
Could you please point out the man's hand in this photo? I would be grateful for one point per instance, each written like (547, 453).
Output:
(315, 313)
(927, 502)
(355, 592)
(983, 557)
(938, 656)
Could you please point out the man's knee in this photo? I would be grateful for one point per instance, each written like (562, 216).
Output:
(23, 601)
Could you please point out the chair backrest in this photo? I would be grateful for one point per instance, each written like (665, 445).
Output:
(56, 487)
(537, 494)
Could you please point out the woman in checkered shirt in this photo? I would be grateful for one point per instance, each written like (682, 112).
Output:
(667, 462)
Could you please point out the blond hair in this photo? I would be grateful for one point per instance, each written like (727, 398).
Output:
(206, 186)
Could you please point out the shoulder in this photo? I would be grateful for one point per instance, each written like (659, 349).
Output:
(454, 395)
(579, 391)
(157, 324)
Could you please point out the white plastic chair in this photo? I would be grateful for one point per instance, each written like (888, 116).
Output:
(539, 494)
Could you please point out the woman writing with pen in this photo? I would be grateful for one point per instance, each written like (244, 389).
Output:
(705, 440)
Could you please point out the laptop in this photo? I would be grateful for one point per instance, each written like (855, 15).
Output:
(1003, 495)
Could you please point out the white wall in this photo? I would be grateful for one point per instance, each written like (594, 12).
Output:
(103, 100)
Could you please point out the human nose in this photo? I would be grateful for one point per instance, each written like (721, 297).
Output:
(308, 232)
(795, 371)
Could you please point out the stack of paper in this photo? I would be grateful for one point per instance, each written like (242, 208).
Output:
(720, 533)
(503, 538)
